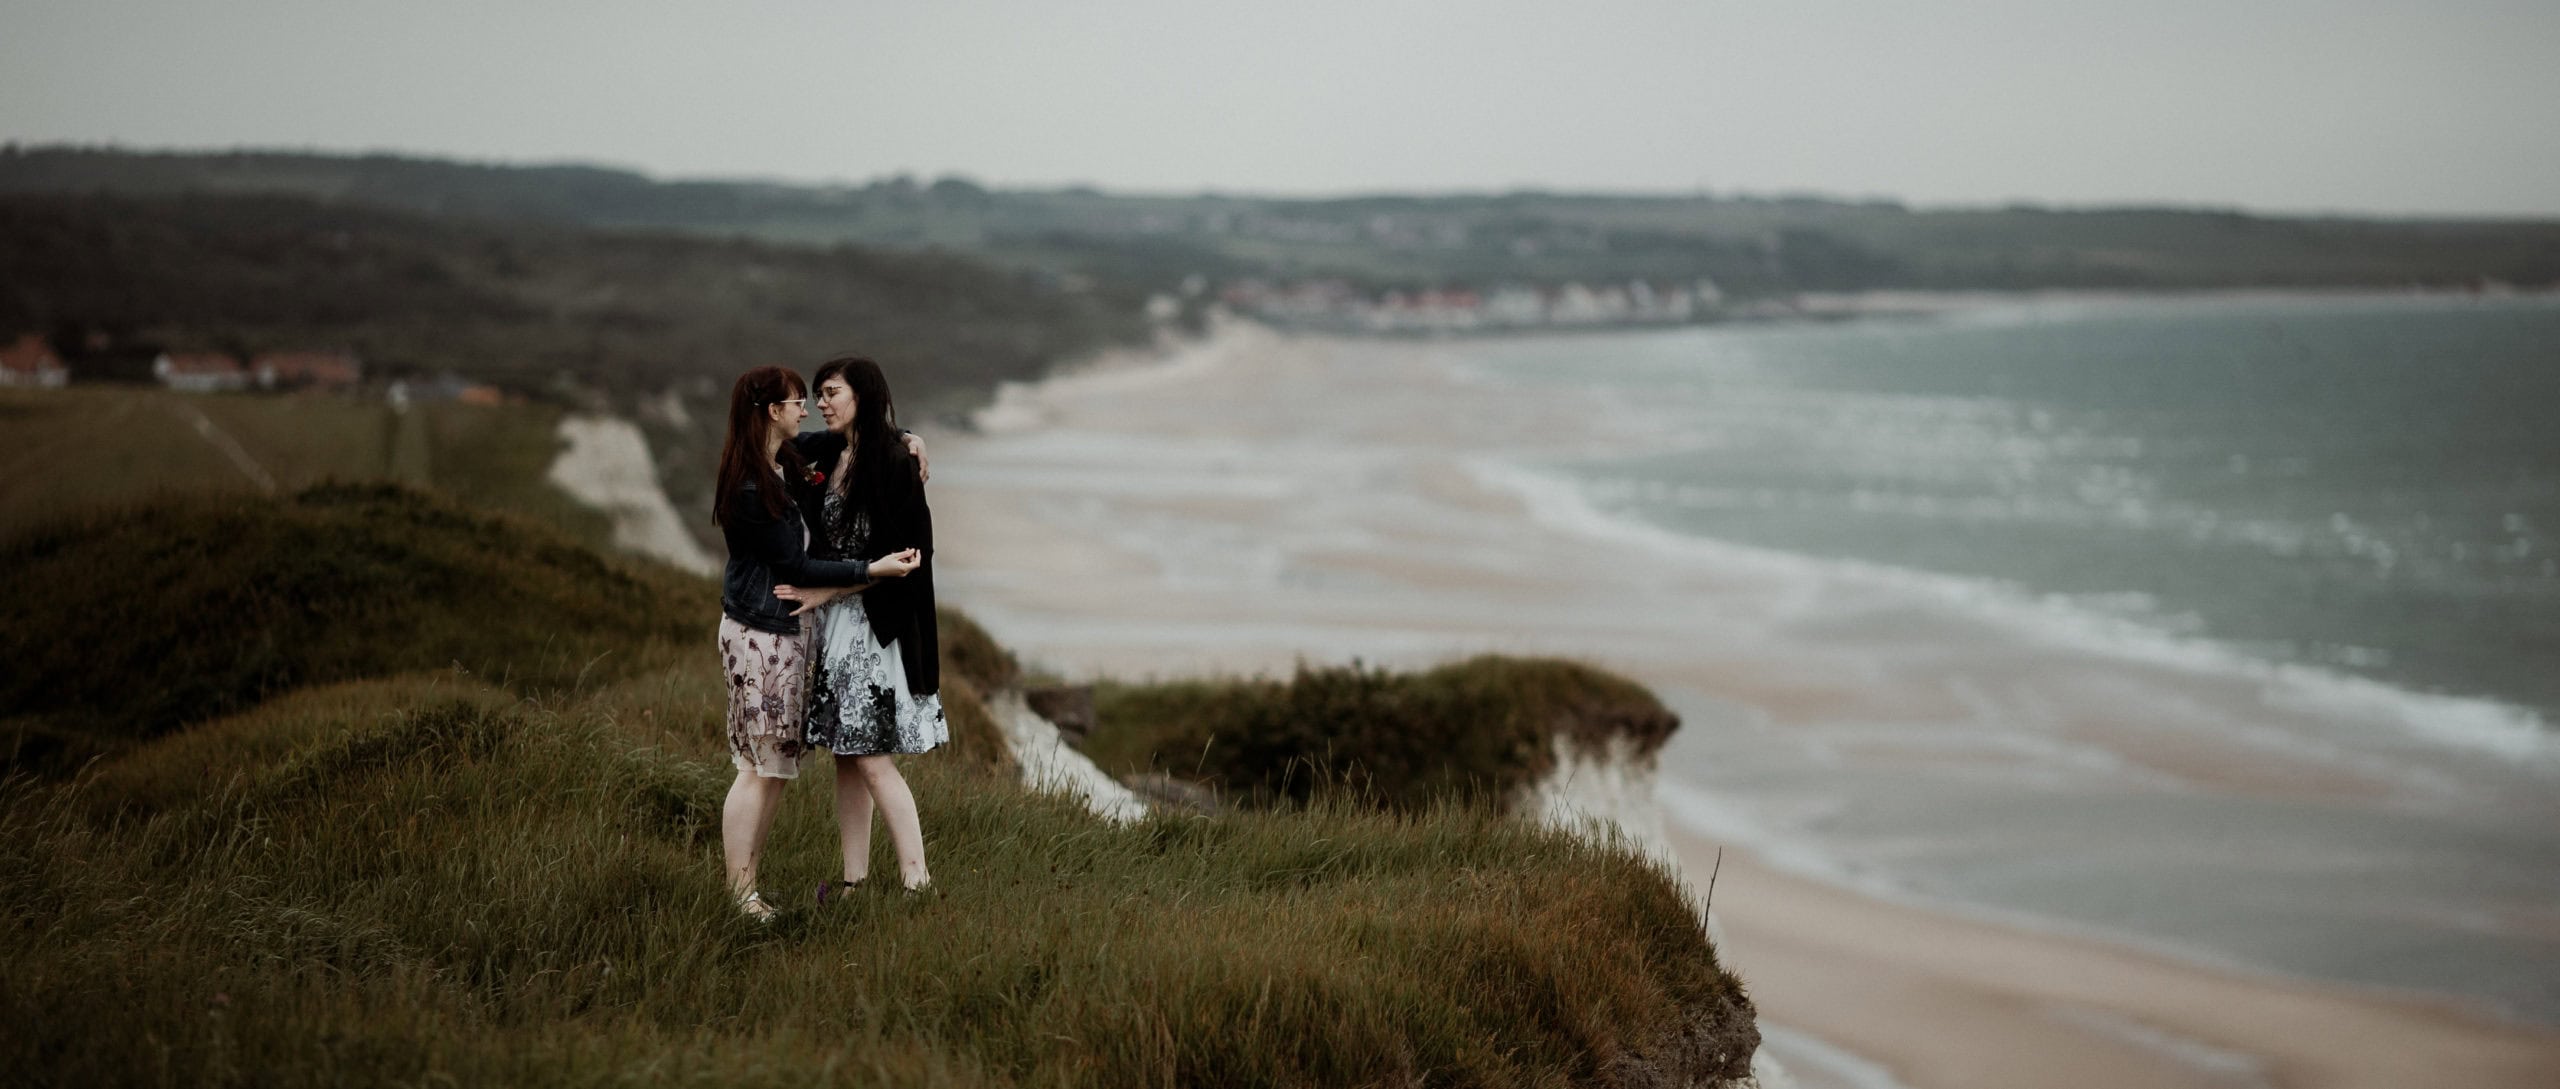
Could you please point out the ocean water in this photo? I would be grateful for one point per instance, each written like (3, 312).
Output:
(2351, 505)
(2368, 485)
(2222, 627)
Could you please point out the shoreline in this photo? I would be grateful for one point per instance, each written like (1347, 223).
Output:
(1883, 304)
(1184, 518)
(1904, 987)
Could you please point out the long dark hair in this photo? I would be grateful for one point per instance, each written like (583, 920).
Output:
(879, 453)
(742, 451)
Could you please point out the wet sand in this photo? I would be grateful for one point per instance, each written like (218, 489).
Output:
(1263, 500)
(1939, 1000)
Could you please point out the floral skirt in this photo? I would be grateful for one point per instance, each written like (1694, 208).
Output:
(858, 699)
(768, 687)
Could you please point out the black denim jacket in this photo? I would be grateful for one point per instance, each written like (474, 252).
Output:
(765, 553)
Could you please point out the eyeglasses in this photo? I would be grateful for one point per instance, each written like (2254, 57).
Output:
(804, 402)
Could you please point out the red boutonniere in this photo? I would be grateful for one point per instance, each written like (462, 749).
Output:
(815, 477)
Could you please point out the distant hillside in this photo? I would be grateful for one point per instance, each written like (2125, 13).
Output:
(525, 304)
(1749, 246)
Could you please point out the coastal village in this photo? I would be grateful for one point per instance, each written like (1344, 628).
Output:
(30, 361)
(33, 360)
(1338, 306)
(221, 372)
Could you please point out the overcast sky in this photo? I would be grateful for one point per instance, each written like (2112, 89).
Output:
(2391, 106)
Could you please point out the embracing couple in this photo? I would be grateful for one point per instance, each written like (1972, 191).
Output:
(827, 628)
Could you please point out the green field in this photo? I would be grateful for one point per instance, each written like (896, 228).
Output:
(90, 448)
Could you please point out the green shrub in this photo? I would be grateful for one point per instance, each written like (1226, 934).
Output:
(1476, 730)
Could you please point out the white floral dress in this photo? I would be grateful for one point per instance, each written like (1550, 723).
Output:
(858, 699)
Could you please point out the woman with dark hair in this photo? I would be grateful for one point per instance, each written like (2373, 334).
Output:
(875, 673)
(761, 642)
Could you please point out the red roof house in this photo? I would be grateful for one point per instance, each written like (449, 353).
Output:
(29, 362)
(334, 372)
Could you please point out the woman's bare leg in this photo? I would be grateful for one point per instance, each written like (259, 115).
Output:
(853, 819)
(898, 811)
(744, 819)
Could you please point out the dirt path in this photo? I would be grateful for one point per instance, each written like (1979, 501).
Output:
(221, 440)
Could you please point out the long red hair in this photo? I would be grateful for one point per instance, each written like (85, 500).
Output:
(742, 451)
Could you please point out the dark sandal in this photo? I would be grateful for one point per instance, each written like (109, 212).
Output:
(829, 890)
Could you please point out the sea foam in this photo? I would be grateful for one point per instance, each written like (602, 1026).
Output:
(2510, 733)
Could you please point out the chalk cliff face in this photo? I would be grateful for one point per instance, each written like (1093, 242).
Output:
(1607, 791)
(604, 463)
(1599, 790)
(1049, 764)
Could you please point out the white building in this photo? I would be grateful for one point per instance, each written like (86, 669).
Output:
(200, 372)
(29, 363)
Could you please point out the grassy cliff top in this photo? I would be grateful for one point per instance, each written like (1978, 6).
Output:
(1471, 731)
(376, 869)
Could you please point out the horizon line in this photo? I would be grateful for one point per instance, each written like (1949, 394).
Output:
(13, 146)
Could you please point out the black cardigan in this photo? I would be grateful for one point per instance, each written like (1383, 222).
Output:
(899, 608)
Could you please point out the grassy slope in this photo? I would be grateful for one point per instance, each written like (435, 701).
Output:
(133, 623)
(420, 875)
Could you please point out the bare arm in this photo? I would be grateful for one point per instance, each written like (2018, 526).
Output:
(886, 567)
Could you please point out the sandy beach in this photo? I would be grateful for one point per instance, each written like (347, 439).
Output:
(1260, 500)
(1939, 1000)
